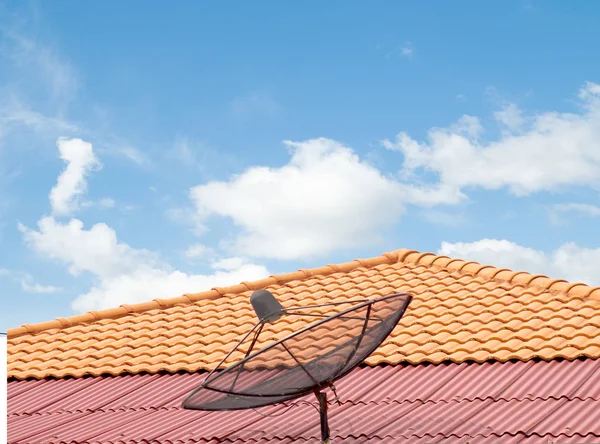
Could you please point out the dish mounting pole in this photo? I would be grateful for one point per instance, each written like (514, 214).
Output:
(322, 398)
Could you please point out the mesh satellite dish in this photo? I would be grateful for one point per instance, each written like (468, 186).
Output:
(281, 363)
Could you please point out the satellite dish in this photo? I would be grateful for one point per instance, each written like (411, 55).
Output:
(306, 360)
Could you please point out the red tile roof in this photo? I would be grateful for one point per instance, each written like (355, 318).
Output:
(502, 402)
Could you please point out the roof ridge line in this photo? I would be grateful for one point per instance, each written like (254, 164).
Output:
(490, 272)
(401, 255)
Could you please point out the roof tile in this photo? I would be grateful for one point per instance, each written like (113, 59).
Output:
(450, 403)
(461, 311)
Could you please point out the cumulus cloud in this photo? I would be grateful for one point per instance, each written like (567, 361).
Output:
(72, 184)
(96, 250)
(570, 261)
(122, 274)
(510, 116)
(534, 153)
(230, 263)
(325, 198)
(147, 283)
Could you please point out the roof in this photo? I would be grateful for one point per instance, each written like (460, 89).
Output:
(525, 402)
(461, 311)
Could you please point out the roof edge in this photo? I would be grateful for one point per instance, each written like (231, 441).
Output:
(213, 293)
(577, 289)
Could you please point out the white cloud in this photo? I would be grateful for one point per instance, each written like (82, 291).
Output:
(230, 263)
(558, 211)
(27, 283)
(589, 92)
(587, 209)
(254, 104)
(71, 183)
(40, 86)
(510, 116)
(407, 50)
(146, 284)
(325, 198)
(37, 288)
(124, 274)
(196, 251)
(550, 150)
(570, 261)
(500, 253)
(106, 202)
(96, 250)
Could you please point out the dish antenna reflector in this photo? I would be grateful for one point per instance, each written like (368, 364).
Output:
(307, 360)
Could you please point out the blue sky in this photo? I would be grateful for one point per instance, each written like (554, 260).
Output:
(149, 150)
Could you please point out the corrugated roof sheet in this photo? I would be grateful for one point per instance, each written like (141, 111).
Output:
(530, 402)
(461, 311)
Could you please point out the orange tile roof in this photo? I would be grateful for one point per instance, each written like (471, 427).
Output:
(461, 311)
